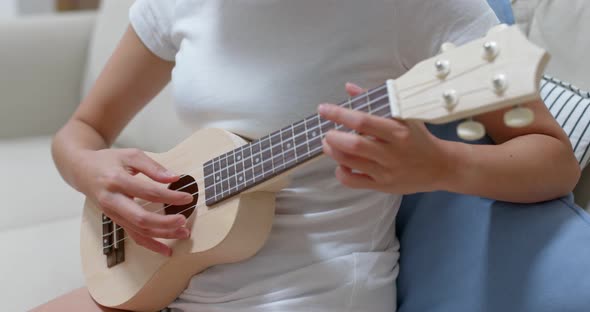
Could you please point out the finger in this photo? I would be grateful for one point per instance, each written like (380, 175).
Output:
(358, 146)
(357, 163)
(379, 127)
(354, 90)
(179, 233)
(151, 191)
(138, 218)
(150, 243)
(354, 180)
(140, 162)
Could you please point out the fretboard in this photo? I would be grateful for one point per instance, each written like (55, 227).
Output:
(262, 159)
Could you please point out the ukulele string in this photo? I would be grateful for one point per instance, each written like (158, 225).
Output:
(196, 206)
(255, 177)
(280, 154)
(196, 193)
(368, 103)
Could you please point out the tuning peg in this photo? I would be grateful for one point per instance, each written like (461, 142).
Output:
(447, 46)
(497, 28)
(519, 117)
(450, 98)
(490, 50)
(471, 130)
(500, 83)
(443, 68)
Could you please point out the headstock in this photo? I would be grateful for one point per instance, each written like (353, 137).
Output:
(500, 70)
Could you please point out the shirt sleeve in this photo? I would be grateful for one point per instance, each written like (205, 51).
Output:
(424, 25)
(152, 20)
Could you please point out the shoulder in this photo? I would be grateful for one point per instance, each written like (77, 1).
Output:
(152, 20)
(425, 24)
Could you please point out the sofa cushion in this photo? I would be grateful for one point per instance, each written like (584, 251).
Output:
(156, 128)
(466, 253)
(39, 263)
(36, 191)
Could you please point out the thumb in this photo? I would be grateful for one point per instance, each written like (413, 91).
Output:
(354, 90)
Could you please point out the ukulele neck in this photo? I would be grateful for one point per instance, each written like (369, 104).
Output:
(265, 158)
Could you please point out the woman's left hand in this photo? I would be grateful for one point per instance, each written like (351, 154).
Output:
(387, 155)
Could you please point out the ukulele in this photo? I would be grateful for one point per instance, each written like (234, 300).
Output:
(234, 181)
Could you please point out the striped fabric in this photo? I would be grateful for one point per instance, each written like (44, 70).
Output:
(571, 108)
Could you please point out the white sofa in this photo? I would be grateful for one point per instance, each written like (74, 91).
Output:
(47, 63)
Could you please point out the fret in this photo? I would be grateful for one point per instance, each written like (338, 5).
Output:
(359, 102)
(240, 167)
(209, 175)
(217, 171)
(314, 137)
(231, 171)
(267, 163)
(369, 104)
(347, 105)
(248, 168)
(257, 159)
(294, 135)
(326, 125)
(276, 144)
(382, 111)
(301, 148)
(224, 175)
(378, 101)
(288, 143)
(307, 135)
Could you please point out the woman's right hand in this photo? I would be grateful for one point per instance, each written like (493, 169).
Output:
(107, 178)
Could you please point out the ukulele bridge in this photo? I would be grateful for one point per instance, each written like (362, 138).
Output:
(113, 246)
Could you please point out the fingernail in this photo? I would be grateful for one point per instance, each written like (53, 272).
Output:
(184, 233)
(181, 222)
(322, 108)
(355, 86)
(170, 174)
(188, 196)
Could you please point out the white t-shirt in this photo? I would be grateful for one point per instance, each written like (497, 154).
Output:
(254, 66)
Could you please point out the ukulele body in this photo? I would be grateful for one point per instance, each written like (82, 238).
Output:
(230, 231)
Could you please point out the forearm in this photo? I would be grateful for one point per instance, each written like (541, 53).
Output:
(529, 168)
(70, 143)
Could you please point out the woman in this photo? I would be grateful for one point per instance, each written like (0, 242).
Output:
(253, 67)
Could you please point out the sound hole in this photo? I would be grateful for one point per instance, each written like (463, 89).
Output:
(186, 184)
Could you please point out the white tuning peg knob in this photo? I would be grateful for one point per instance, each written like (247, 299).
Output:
(471, 130)
(447, 46)
(519, 117)
(497, 28)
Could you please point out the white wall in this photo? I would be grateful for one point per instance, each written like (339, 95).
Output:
(7, 8)
(34, 6)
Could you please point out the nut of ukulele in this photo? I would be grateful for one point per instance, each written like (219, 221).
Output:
(471, 130)
(519, 117)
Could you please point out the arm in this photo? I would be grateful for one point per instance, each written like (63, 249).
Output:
(529, 164)
(130, 79)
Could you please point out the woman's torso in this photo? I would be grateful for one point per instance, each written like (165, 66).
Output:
(260, 69)
(254, 66)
